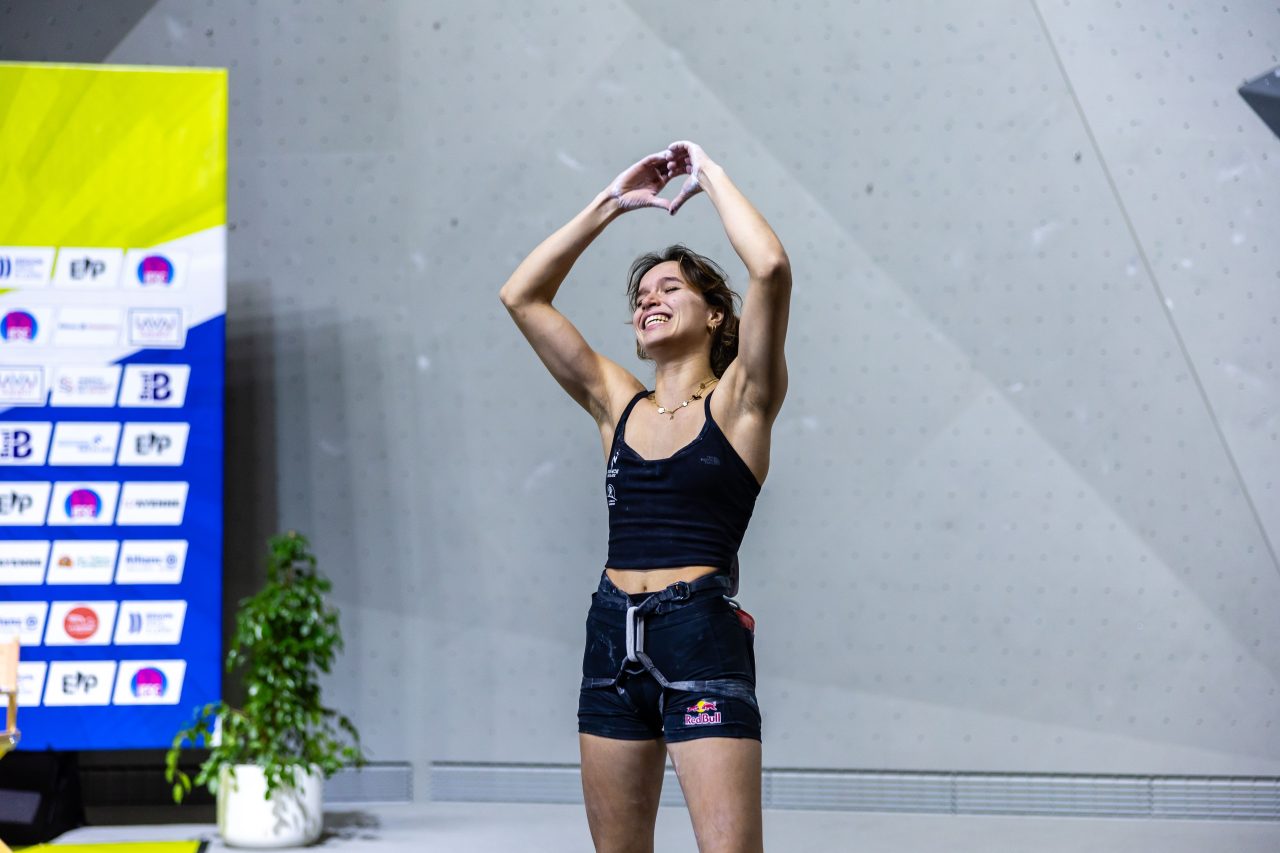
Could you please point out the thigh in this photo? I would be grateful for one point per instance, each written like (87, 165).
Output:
(621, 784)
(720, 778)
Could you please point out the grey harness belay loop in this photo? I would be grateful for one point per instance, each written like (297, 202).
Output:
(637, 661)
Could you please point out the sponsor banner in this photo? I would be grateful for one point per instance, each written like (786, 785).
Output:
(152, 503)
(153, 561)
(21, 385)
(24, 620)
(84, 504)
(82, 561)
(23, 442)
(80, 623)
(25, 266)
(85, 385)
(24, 327)
(23, 563)
(155, 385)
(87, 327)
(151, 269)
(88, 269)
(30, 682)
(157, 328)
(84, 443)
(23, 503)
(154, 444)
(80, 682)
(150, 623)
(150, 682)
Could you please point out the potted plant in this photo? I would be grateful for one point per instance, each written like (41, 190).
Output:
(268, 758)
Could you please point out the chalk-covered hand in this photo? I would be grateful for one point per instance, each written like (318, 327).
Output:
(640, 184)
(686, 158)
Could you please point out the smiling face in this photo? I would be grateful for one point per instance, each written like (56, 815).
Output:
(670, 312)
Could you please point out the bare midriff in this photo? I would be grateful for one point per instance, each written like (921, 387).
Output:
(637, 582)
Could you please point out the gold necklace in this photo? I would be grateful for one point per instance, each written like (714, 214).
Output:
(671, 413)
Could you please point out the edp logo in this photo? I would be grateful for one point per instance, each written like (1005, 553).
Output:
(152, 444)
(15, 503)
(78, 682)
(87, 268)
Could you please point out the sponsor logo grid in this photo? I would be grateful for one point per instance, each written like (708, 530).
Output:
(32, 562)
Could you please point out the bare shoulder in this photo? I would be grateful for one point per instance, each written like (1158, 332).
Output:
(620, 387)
(747, 426)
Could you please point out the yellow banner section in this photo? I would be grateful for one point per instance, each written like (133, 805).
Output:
(110, 155)
(120, 847)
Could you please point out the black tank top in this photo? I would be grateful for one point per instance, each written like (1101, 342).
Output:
(690, 509)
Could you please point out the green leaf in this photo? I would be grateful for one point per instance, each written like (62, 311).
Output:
(285, 638)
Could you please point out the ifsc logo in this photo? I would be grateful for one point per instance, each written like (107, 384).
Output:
(19, 326)
(148, 683)
(155, 269)
(83, 503)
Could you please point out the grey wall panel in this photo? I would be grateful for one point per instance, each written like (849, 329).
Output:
(1021, 510)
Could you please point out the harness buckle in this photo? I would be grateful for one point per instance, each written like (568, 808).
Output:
(635, 634)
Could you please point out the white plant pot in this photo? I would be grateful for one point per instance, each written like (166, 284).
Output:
(293, 817)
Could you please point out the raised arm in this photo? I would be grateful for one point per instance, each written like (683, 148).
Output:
(590, 378)
(759, 373)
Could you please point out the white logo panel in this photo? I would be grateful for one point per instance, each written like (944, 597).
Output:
(25, 266)
(150, 682)
(23, 563)
(85, 385)
(23, 442)
(150, 623)
(88, 269)
(80, 623)
(152, 561)
(83, 443)
(31, 683)
(88, 327)
(83, 504)
(154, 269)
(21, 385)
(23, 502)
(22, 327)
(24, 620)
(155, 385)
(84, 561)
(157, 327)
(154, 444)
(153, 503)
(80, 682)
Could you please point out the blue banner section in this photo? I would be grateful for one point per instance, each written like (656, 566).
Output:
(121, 621)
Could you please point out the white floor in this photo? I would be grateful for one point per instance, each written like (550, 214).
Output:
(486, 827)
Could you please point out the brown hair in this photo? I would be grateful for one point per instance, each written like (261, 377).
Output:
(709, 280)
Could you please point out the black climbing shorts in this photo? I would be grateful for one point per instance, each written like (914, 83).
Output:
(702, 639)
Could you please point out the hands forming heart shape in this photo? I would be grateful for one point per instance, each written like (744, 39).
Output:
(639, 185)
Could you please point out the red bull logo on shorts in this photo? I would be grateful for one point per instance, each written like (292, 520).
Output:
(702, 713)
